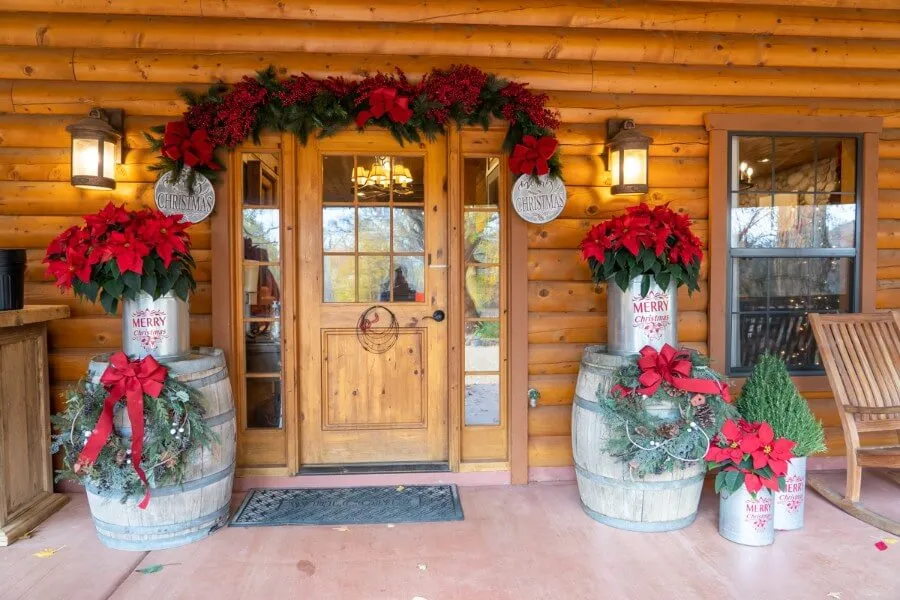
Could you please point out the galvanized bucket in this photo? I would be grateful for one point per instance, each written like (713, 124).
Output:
(635, 321)
(790, 503)
(158, 328)
(746, 520)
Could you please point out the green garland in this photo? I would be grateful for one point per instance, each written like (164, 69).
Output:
(174, 428)
(651, 444)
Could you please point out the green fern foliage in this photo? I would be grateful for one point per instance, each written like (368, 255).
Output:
(770, 395)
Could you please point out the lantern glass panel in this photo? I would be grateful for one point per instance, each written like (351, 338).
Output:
(86, 157)
(635, 166)
(109, 160)
(614, 158)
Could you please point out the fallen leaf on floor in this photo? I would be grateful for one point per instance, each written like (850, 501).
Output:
(28, 535)
(400, 488)
(890, 541)
(149, 570)
(881, 545)
(342, 528)
(836, 595)
(423, 566)
(48, 552)
(307, 567)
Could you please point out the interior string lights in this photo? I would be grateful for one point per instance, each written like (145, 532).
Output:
(381, 173)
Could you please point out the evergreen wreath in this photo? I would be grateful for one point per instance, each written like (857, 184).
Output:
(224, 117)
(651, 444)
(174, 428)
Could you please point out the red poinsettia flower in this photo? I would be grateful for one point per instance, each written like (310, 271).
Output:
(727, 444)
(110, 218)
(165, 234)
(60, 243)
(767, 451)
(533, 155)
(75, 265)
(597, 242)
(128, 251)
(192, 147)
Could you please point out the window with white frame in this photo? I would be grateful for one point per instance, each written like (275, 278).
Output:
(793, 242)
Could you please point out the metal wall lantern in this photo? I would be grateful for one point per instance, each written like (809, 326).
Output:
(96, 149)
(627, 150)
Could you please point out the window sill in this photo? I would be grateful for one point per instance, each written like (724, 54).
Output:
(804, 383)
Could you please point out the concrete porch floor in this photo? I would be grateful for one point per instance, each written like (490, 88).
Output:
(522, 543)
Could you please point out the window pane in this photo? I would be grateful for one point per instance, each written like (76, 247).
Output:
(409, 279)
(794, 164)
(262, 289)
(264, 402)
(751, 284)
(482, 297)
(482, 346)
(263, 347)
(757, 223)
(262, 234)
(836, 165)
(409, 230)
(374, 229)
(481, 181)
(261, 178)
(340, 279)
(338, 175)
(482, 237)
(408, 178)
(374, 279)
(374, 178)
(786, 335)
(338, 229)
(482, 399)
(753, 164)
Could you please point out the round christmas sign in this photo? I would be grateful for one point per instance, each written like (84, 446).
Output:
(195, 202)
(539, 199)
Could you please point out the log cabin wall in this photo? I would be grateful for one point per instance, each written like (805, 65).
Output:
(664, 64)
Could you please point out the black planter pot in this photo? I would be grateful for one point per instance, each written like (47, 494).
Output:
(12, 279)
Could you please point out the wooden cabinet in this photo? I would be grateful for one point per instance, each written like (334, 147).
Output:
(26, 468)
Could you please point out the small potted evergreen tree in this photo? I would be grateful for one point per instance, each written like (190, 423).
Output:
(770, 395)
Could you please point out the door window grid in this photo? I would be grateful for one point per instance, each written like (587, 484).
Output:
(261, 291)
(373, 229)
(793, 242)
(483, 325)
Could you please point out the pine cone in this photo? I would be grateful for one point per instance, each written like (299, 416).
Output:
(668, 430)
(704, 416)
(641, 431)
(120, 458)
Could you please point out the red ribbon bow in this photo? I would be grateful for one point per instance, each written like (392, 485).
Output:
(674, 367)
(384, 100)
(531, 154)
(129, 379)
(193, 147)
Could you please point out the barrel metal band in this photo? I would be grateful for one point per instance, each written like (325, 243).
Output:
(588, 405)
(642, 526)
(170, 490)
(209, 379)
(210, 518)
(218, 419)
(672, 484)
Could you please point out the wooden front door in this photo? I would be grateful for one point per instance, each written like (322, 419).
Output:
(373, 233)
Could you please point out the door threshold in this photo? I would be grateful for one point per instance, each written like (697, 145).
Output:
(366, 468)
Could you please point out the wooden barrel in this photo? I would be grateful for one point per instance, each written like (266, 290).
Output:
(610, 492)
(177, 514)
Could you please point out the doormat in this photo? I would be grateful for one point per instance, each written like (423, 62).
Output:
(349, 506)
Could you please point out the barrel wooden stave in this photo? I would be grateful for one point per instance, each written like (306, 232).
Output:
(609, 492)
(177, 514)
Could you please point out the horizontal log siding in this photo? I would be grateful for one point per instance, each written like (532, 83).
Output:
(646, 61)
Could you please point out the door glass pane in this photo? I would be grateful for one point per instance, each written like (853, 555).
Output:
(262, 290)
(374, 279)
(482, 293)
(482, 399)
(482, 237)
(409, 279)
(373, 178)
(409, 230)
(374, 229)
(339, 229)
(340, 278)
(261, 230)
(482, 345)
(264, 402)
(409, 178)
(481, 181)
(337, 179)
(261, 172)
(263, 346)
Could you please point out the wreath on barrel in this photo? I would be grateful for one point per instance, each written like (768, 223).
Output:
(646, 391)
(166, 426)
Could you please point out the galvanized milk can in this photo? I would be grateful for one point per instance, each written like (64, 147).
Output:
(747, 520)
(158, 328)
(635, 321)
(789, 503)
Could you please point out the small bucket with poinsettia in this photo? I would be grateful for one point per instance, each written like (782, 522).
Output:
(752, 464)
(646, 255)
(140, 258)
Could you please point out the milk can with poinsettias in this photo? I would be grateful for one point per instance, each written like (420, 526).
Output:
(643, 256)
(752, 464)
(140, 258)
